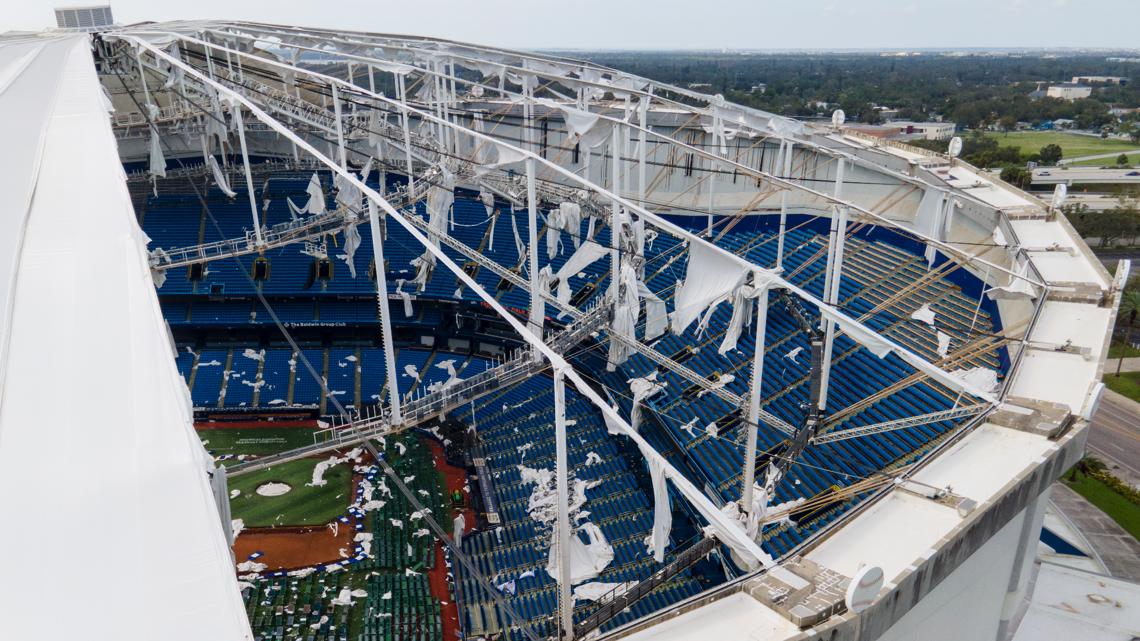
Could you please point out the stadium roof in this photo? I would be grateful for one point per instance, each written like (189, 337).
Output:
(111, 529)
(1055, 301)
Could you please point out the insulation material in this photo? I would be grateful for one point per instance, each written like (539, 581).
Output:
(932, 219)
(587, 560)
(406, 297)
(872, 341)
(662, 510)
(709, 279)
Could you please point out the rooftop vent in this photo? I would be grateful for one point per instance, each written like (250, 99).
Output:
(92, 18)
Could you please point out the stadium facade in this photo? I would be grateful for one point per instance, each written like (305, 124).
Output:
(731, 373)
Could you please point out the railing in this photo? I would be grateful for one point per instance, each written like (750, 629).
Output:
(376, 421)
(616, 601)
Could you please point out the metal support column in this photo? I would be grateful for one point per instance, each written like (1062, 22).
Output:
(615, 227)
(236, 113)
(562, 530)
(402, 89)
(831, 294)
(783, 169)
(339, 129)
(754, 397)
(537, 305)
(385, 314)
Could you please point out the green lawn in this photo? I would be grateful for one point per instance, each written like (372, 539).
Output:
(260, 441)
(1128, 383)
(1072, 145)
(1119, 508)
(1114, 351)
(303, 505)
(1133, 160)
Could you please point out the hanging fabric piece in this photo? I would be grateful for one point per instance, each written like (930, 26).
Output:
(587, 560)
(488, 200)
(589, 253)
(642, 389)
(503, 155)
(375, 126)
(662, 511)
(572, 221)
(406, 297)
(742, 298)
(174, 73)
(216, 123)
(424, 264)
(520, 247)
(316, 203)
(554, 224)
(656, 316)
(439, 201)
(943, 344)
(624, 322)
(220, 178)
(351, 243)
(709, 279)
(157, 158)
(348, 194)
(877, 344)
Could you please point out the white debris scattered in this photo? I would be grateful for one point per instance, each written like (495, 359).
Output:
(508, 587)
(411, 371)
(318, 624)
(251, 566)
(721, 381)
(254, 355)
(924, 314)
(712, 430)
(592, 458)
(400, 448)
(237, 525)
(343, 598)
(235, 493)
(691, 427)
(791, 355)
(397, 523)
(943, 344)
(420, 532)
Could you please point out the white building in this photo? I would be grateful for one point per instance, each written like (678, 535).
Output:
(927, 130)
(1069, 91)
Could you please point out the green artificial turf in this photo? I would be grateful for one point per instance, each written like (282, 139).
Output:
(302, 505)
(260, 441)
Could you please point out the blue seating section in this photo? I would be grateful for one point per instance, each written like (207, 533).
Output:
(515, 424)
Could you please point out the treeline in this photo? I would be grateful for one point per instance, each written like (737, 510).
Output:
(973, 91)
(1116, 226)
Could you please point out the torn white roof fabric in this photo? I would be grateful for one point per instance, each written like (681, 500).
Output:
(709, 278)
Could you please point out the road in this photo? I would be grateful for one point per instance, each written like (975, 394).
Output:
(1111, 154)
(1114, 436)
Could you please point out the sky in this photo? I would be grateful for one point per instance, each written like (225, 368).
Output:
(669, 24)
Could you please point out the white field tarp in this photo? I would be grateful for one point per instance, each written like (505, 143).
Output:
(111, 528)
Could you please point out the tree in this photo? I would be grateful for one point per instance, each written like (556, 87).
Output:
(1129, 307)
(1019, 177)
(1051, 154)
(1122, 159)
